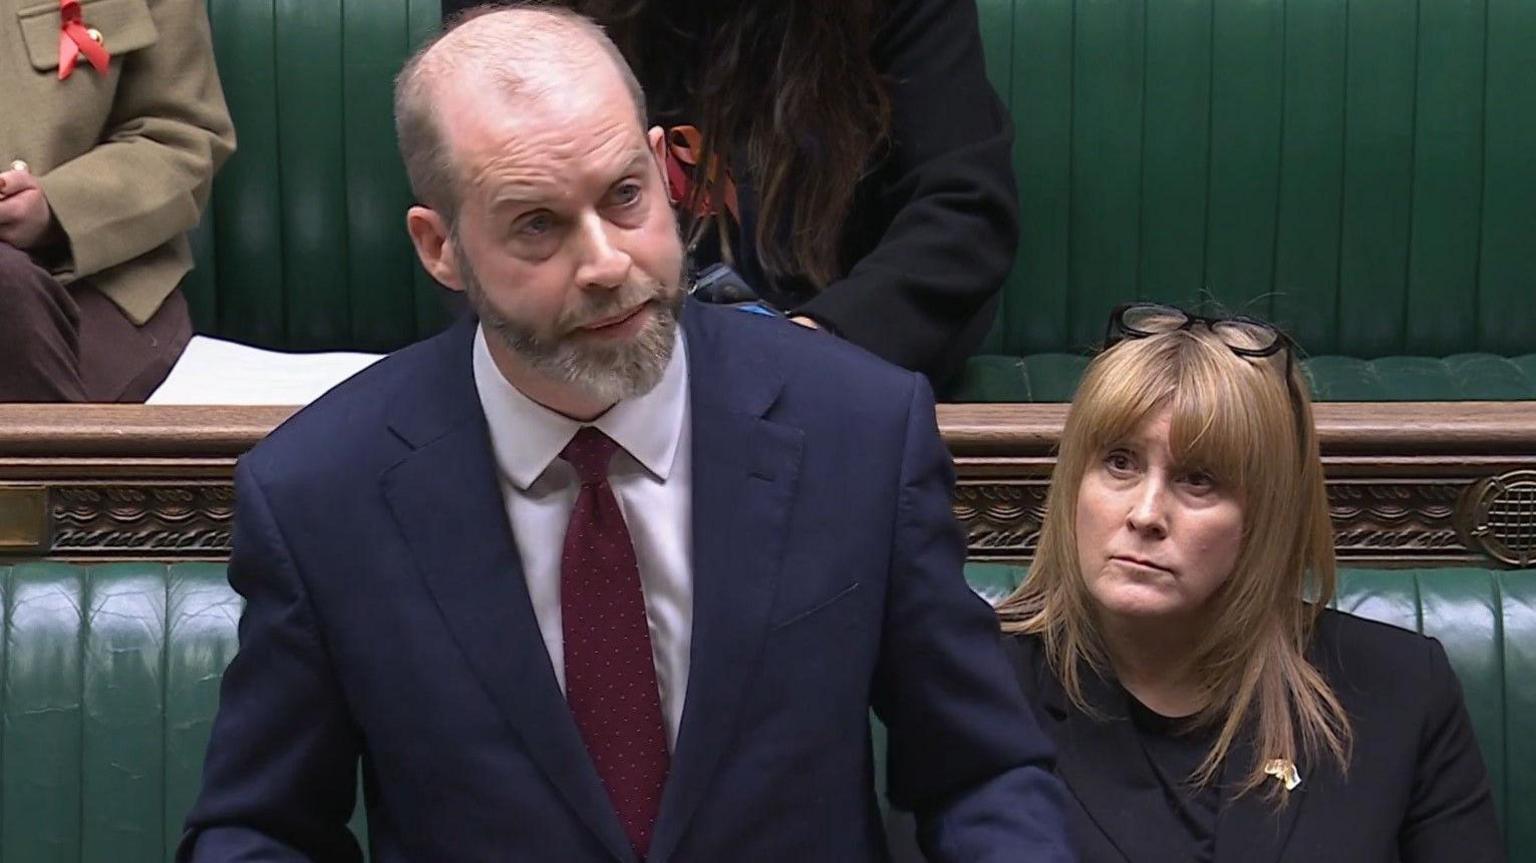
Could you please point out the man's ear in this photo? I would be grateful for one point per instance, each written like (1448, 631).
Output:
(434, 245)
(657, 138)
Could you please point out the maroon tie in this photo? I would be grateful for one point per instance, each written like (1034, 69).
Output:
(610, 675)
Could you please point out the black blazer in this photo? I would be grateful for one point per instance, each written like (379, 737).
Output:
(1416, 790)
(934, 225)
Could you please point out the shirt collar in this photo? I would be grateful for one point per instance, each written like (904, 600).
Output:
(526, 436)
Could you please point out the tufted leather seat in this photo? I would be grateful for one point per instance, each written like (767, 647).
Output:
(110, 681)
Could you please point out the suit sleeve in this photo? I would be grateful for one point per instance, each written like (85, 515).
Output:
(280, 775)
(913, 299)
(1451, 813)
(965, 753)
(146, 181)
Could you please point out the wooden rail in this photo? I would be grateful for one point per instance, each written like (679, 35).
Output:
(1409, 482)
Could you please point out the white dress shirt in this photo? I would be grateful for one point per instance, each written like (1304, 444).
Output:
(652, 479)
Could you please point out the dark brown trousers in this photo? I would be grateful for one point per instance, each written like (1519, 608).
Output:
(71, 344)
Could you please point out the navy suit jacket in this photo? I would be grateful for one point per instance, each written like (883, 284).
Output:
(387, 622)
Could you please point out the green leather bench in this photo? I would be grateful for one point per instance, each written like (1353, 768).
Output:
(110, 681)
(1358, 172)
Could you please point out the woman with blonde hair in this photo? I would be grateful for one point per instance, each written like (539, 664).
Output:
(1174, 640)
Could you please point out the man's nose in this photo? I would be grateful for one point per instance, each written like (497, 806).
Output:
(604, 265)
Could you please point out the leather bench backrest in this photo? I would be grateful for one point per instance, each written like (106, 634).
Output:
(109, 681)
(304, 245)
(1360, 172)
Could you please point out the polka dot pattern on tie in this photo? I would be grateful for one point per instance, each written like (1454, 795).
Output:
(610, 673)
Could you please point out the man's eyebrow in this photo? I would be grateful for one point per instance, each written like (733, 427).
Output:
(524, 194)
(637, 159)
(633, 164)
(516, 196)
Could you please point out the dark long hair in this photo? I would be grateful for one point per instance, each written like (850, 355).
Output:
(789, 84)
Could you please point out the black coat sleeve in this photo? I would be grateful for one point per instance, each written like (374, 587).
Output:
(1450, 813)
(944, 208)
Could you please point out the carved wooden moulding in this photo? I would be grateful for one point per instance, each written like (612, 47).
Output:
(1397, 521)
(1001, 519)
(153, 519)
(1391, 521)
(1409, 483)
(145, 519)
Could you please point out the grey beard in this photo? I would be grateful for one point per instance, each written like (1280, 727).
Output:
(606, 372)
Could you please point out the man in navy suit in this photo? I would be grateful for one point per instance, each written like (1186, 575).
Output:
(606, 574)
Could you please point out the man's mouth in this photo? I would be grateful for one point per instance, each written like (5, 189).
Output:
(612, 321)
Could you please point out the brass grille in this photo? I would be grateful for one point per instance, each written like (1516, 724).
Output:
(1501, 517)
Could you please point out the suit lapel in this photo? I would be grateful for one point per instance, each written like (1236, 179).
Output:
(1250, 829)
(744, 475)
(447, 502)
(1105, 767)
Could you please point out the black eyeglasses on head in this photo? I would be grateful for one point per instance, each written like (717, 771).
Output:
(1245, 336)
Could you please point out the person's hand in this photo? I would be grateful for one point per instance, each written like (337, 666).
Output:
(25, 217)
(804, 321)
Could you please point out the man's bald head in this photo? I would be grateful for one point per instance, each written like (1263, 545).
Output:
(493, 54)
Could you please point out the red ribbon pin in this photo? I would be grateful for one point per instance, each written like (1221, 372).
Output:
(75, 39)
(685, 147)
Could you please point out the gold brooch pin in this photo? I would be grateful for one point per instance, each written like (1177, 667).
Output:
(1284, 770)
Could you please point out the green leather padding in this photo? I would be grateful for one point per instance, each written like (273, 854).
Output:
(1462, 377)
(1360, 173)
(1518, 615)
(1357, 172)
(304, 244)
(109, 680)
(110, 683)
(1487, 622)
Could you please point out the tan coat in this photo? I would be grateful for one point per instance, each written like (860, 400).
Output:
(125, 159)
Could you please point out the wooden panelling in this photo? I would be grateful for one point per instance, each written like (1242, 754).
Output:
(1409, 483)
